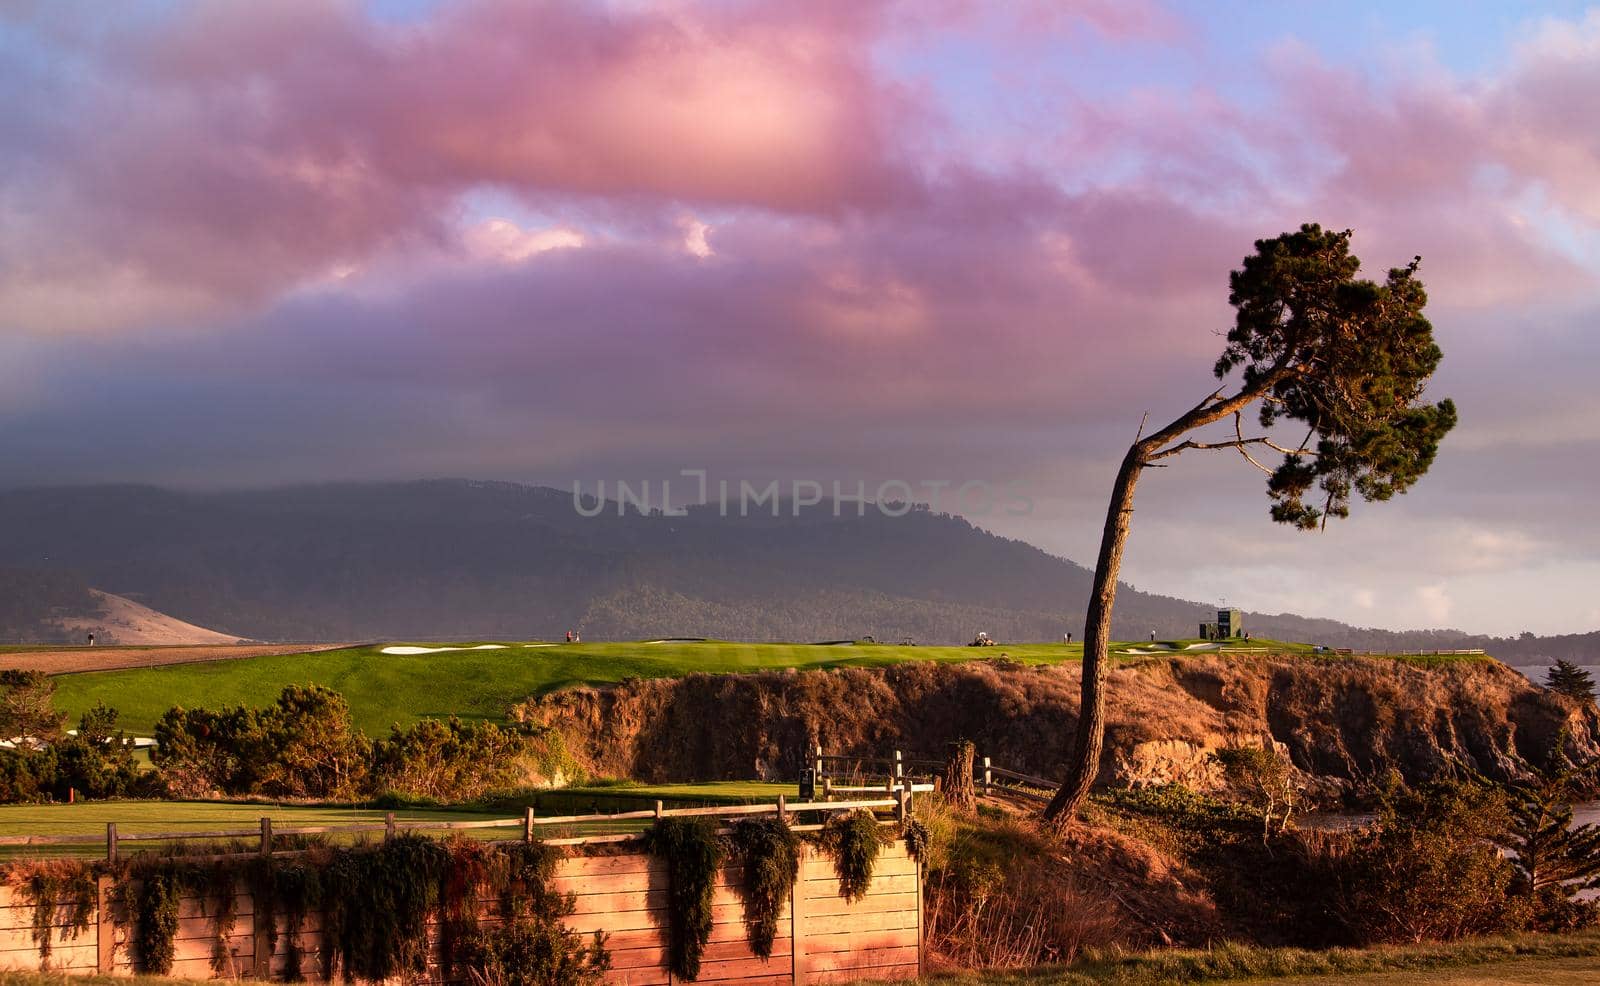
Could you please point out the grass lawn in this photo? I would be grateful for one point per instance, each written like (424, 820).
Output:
(90, 817)
(1519, 972)
(132, 817)
(384, 689)
(1537, 960)
(631, 796)
(1526, 960)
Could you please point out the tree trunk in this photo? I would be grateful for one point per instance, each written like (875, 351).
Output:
(957, 787)
(1084, 763)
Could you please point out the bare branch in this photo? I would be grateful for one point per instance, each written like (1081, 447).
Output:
(1238, 429)
(1241, 443)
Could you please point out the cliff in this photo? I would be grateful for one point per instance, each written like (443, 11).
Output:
(1341, 721)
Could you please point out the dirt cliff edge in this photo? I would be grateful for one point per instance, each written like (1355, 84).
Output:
(1341, 721)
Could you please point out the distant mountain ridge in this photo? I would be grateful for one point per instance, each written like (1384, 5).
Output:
(469, 559)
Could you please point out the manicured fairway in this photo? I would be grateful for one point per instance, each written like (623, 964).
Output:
(132, 817)
(384, 689)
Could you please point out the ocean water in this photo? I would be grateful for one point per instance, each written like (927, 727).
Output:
(1536, 673)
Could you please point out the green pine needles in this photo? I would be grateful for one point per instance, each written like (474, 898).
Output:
(854, 840)
(693, 854)
(771, 854)
(1570, 680)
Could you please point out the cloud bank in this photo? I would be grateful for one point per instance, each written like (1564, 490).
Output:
(245, 243)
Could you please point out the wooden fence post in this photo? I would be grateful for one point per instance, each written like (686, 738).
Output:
(827, 789)
(783, 808)
(902, 810)
(527, 825)
(988, 776)
(818, 764)
(111, 842)
(797, 924)
(388, 825)
(659, 811)
(105, 930)
(262, 917)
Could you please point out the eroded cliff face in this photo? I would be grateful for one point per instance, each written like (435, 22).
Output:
(1341, 721)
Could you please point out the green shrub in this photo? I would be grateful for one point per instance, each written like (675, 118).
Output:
(693, 854)
(770, 852)
(304, 745)
(1429, 869)
(376, 918)
(457, 761)
(854, 840)
(542, 953)
(96, 763)
(155, 917)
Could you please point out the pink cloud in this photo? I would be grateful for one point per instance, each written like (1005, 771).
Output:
(232, 151)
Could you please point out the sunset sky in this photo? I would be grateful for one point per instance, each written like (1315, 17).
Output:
(248, 244)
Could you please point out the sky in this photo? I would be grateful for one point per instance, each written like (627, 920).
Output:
(854, 241)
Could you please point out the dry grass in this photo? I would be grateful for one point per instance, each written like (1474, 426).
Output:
(1541, 959)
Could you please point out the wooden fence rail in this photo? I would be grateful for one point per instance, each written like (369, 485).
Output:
(989, 778)
(898, 800)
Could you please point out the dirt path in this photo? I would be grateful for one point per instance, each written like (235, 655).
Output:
(67, 660)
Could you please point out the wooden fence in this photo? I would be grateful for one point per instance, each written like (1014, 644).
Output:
(823, 937)
(844, 773)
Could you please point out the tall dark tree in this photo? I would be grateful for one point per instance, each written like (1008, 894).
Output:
(1569, 679)
(1346, 359)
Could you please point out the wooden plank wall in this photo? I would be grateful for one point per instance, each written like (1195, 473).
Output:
(624, 896)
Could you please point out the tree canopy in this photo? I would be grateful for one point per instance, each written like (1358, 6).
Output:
(1347, 358)
(1571, 680)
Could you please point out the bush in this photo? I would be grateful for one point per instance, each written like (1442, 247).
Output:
(306, 746)
(1429, 869)
(96, 763)
(1000, 893)
(1266, 778)
(458, 761)
(534, 954)
(303, 746)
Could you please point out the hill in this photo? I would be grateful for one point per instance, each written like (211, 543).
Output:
(60, 608)
(452, 559)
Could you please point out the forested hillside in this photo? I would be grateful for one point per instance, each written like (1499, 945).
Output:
(460, 559)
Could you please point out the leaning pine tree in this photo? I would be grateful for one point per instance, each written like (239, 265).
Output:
(1344, 358)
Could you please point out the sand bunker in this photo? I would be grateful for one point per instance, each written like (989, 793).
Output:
(1167, 649)
(412, 651)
